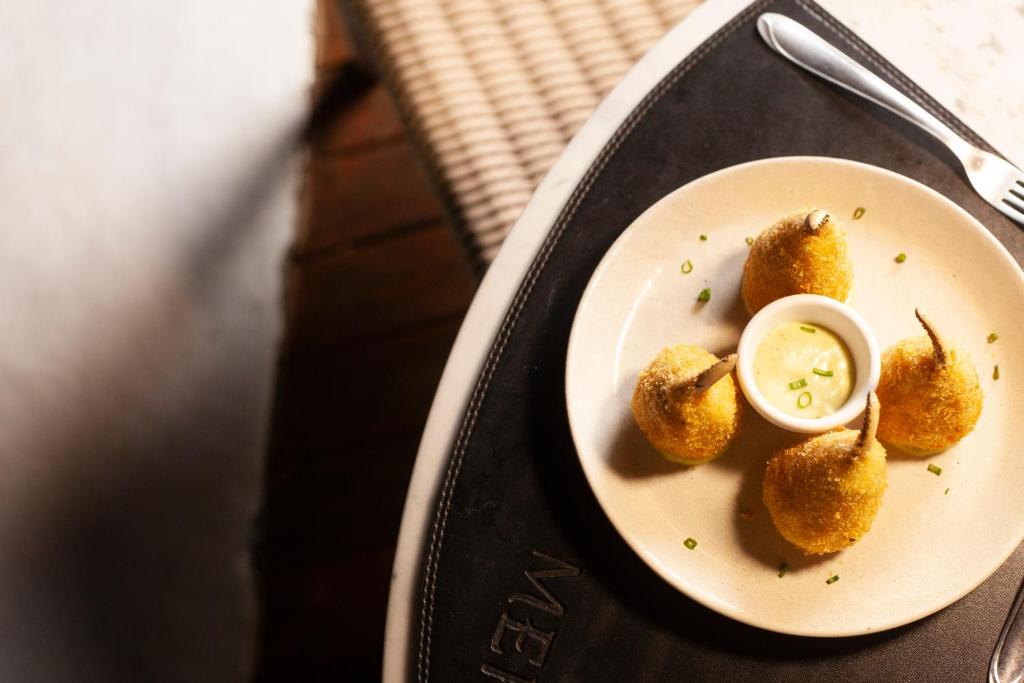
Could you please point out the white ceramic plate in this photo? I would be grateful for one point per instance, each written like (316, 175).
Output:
(927, 547)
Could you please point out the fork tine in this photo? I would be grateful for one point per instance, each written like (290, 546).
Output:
(1013, 207)
(1018, 193)
(1010, 213)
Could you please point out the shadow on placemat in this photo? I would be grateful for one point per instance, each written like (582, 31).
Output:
(607, 558)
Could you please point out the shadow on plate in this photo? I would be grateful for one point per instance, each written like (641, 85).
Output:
(895, 453)
(632, 457)
(748, 454)
(736, 316)
(633, 600)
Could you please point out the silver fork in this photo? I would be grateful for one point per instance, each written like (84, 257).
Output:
(1007, 663)
(998, 182)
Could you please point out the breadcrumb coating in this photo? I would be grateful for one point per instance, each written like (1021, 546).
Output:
(804, 253)
(927, 406)
(824, 493)
(684, 423)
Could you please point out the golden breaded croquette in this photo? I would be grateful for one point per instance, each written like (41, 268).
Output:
(686, 404)
(824, 493)
(804, 253)
(929, 392)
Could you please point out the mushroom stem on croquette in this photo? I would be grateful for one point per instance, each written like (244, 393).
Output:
(939, 346)
(823, 494)
(803, 253)
(686, 404)
(679, 388)
(930, 393)
(815, 220)
(869, 429)
(716, 372)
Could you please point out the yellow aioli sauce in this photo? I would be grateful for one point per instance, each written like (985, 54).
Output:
(787, 358)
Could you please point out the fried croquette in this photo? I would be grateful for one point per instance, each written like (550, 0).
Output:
(929, 392)
(804, 253)
(686, 404)
(824, 493)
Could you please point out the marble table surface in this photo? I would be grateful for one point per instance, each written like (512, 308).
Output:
(968, 56)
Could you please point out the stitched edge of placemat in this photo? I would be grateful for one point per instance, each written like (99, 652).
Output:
(519, 303)
(547, 247)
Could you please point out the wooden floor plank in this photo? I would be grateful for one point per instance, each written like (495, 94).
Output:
(376, 289)
(329, 614)
(337, 506)
(366, 291)
(364, 194)
(333, 45)
(362, 395)
(371, 121)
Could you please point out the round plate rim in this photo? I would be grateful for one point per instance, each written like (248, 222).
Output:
(649, 559)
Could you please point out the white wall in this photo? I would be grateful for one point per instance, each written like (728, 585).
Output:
(148, 174)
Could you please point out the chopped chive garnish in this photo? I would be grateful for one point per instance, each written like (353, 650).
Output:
(858, 213)
(687, 267)
(823, 373)
(750, 241)
(995, 372)
(704, 296)
(935, 469)
(690, 544)
(783, 568)
(901, 257)
(703, 238)
(798, 383)
(992, 337)
(803, 400)
(946, 493)
(805, 328)
(832, 579)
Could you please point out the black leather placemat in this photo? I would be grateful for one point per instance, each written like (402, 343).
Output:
(525, 579)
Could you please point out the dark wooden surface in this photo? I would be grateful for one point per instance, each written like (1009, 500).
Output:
(376, 287)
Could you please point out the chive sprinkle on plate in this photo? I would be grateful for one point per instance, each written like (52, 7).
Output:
(992, 338)
(798, 383)
(783, 568)
(901, 257)
(832, 579)
(995, 372)
(690, 544)
(687, 267)
(809, 330)
(750, 241)
(703, 238)
(705, 295)
(858, 213)
(935, 469)
(822, 373)
(803, 400)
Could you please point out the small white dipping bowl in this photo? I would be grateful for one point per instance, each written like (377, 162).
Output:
(845, 323)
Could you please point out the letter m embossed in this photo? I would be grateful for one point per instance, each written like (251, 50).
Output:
(547, 601)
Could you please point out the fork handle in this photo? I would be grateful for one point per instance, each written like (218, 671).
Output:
(804, 48)
(1007, 664)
